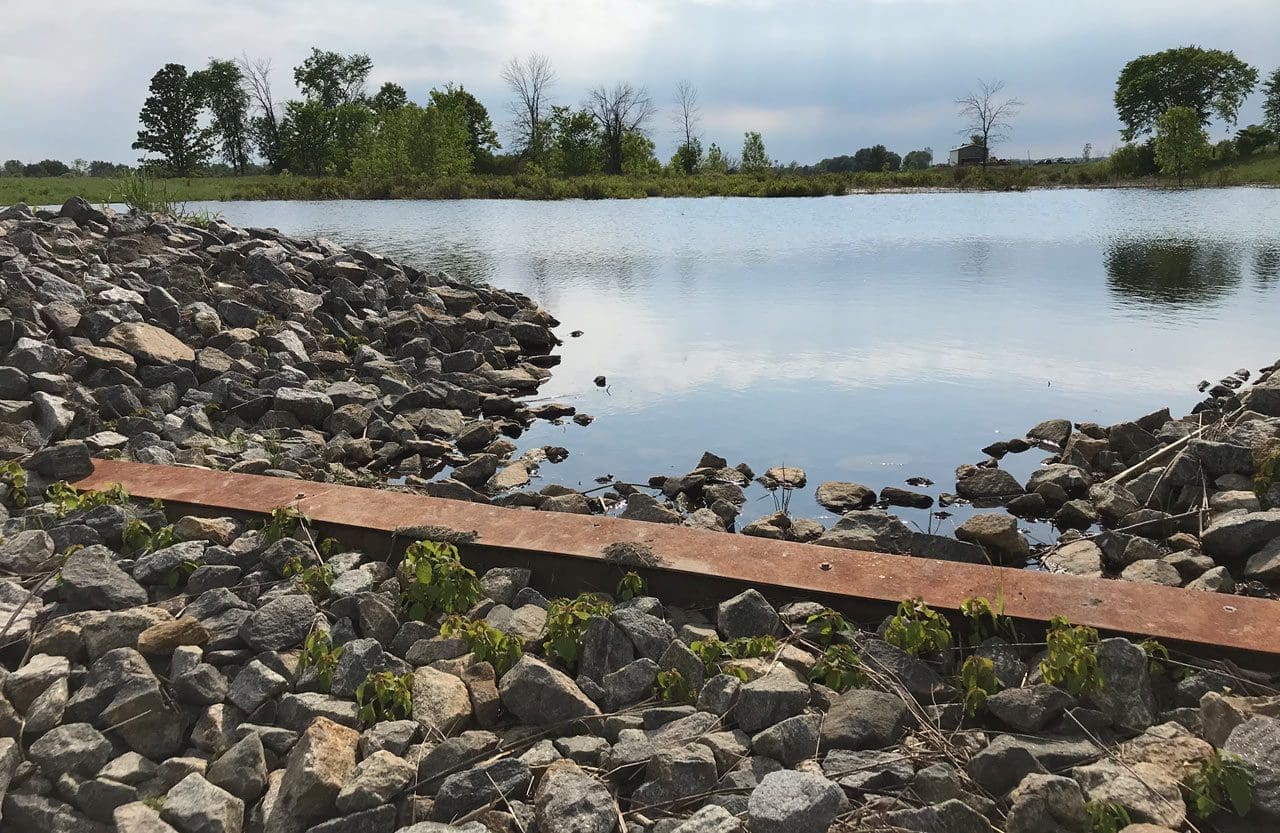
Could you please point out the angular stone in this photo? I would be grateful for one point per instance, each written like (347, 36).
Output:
(441, 703)
(537, 693)
(570, 800)
(770, 699)
(844, 497)
(242, 769)
(194, 805)
(793, 802)
(149, 344)
(318, 766)
(73, 747)
(467, 791)
(1148, 792)
(376, 781)
(280, 623)
(747, 614)
(1257, 742)
(864, 719)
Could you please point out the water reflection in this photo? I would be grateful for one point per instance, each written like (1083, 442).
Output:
(1266, 266)
(1174, 272)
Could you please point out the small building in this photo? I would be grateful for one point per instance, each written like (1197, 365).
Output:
(970, 154)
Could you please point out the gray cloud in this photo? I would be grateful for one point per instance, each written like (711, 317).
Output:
(817, 78)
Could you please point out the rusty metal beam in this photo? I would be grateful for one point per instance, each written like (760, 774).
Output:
(701, 566)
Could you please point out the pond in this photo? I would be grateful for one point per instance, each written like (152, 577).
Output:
(867, 338)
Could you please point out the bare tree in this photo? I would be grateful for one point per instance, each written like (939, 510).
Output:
(264, 126)
(530, 80)
(986, 115)
(688, 118)
(621, 110)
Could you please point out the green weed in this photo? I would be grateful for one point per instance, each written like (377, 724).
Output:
(918, 629)
(978, 681)
(1222, 782)
(385, 696)
(839, 668)
(501, 650)
(630, 586)
(318, 652)
(1072, 660)
(567, 621)
(827, 626)
(1106, 817)
(672, 687)
(434, 580)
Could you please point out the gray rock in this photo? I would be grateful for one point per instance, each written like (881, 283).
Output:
(864, 719)
(1149, 792)
(710, 819)
(870, 770)
(1216, 580)
(790, 741)
(569, 799)
(242, 769)
(503, 583)
(1234, 538)
(1003, 763)
(441, 703)
(770, 699)
(747, 614)
(360, 658)
(643, 507)
(719, 694)
(944, 548)
(310, 407)
(953, 816)
(988, 484)
(454, 754)
(649, 634)
(870, 530)
(1077, 558)
(997, 534)
(630, 684)
(605, 648)
(92, 581)
(537, 693)
(377, 780)
(73, 747)
(23, 686)
(137, 817)
(1056, 431)
(1046, 804)
(845, 497)
(254, 685)
(793, 802)
(280, 623)
(1127, 698)
(196, 806)
(27, 553)
(1028, 709)
(464, 792)
(1257, 742)
(318, 766)
(377, 820)
(1152, 571)
(158, 567)
(675, 773)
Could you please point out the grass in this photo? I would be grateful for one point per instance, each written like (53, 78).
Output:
(1262, 168)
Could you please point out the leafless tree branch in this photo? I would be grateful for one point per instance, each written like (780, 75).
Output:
(530, 80)
(986, 114)
(619, 110)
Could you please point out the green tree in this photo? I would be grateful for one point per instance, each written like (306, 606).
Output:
(306, 136)
(637, 155)
(688, 117)
(876, 158)
(714, 162)
(575, 143)
(1130, 161)
(754, 158)
(13, 167)
(1182, 146)
(619, 110)
(430, 142)
(390, 96)
(223, 88)
(1253, 138)
(1209, 82)
(331, 79)
(170, 121)
(482, 141)
(918, 160)
(1271, 102)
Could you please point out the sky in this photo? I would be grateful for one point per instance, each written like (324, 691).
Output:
(816, 78)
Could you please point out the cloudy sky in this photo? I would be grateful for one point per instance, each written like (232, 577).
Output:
(816, 78)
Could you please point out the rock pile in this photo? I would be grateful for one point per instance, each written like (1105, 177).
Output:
(205, 677)
(247, 350)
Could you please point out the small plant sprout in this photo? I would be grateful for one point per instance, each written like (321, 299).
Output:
(501, 650)
(315, 580)
(1106, 816)
(139, 538)
(1222, 782)
(566, 622)
(985, 620)
(827, 626)
(434, 580)
(179, 574)
(13, 479)
(672, 687)
(839, 668)
(282, 523)
(65, 498)
(715, 654)
(385, 696)
(918, 629)
(1072, 659)
(319, 653)
(631, 586)
(978, 679)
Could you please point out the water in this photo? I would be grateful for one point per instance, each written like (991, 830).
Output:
(869, 338)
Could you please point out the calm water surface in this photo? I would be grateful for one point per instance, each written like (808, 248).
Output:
(869, 338)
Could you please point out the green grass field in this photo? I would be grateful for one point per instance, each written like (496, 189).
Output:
(1262, 168)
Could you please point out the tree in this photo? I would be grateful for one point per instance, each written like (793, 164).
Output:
(918, 160)
(1087, 153)
(714, 162)
(430, 142)
(637, 155)
(688, 118)
(876, 158)
(575, 142)
(331, 79)
(619, 110)
(1252, 138)
(390, 96)
(482, 140)
(1271, 102)
(1182, 146)
(530, 80)
(264, 125)
(99, 168)
(754, 158)
(987, 115)
(1133, 160)
(170, 118)
(222, 85)
(13, 167)
(1210, 82)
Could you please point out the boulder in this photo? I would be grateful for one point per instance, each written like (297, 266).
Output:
(537, 693)
(149, 344)
(845, 497)
(317, 768)
(570, 800)
(793, 802)
(194, 805)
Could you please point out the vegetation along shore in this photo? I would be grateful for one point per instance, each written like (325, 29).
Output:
(219, 133)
